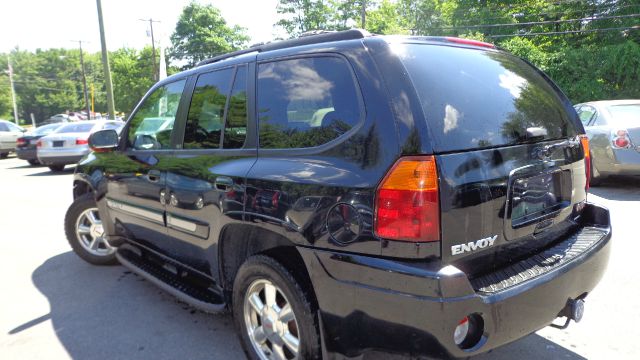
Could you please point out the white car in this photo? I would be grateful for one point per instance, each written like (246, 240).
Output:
(9, 133)
(70, 142)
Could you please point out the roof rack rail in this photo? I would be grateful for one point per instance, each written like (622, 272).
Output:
(308, 38)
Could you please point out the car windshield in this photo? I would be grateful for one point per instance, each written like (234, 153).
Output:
(477, 99)
(628, 114)
(75, 128)
(45, 130)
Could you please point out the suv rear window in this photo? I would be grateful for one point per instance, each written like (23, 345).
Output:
(477, 98)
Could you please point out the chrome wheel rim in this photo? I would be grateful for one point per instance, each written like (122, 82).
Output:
(90, 233)
(271, 324)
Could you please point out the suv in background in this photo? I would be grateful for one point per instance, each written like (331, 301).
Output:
(344, 192)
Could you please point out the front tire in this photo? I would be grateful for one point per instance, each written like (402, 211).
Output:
(4, 155)
(33, 162)
(85, 232)
(274, 316)
(56, 168)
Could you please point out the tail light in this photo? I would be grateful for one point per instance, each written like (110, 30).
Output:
(82, 141)
(39, 143)
(620, 139)
(407, 201)
(21, 141)
(584, 141)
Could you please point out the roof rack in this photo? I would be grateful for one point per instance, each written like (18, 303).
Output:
(308, 38)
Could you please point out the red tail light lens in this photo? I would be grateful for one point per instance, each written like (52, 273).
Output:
(274, 200)
(407, 201)
(39, 143)
(620, 139)
(82, 141)
(584, 141)
(21, 141)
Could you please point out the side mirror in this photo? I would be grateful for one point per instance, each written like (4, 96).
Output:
(103, 140)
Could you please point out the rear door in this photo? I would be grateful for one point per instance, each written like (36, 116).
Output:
(205, 180)
(136, 194)
(510, 163)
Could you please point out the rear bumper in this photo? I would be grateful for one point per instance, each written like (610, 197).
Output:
(624, 162)
(26, 153)
(62, 156)
(408, 308)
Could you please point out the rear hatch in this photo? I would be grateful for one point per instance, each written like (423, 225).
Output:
(506, 142)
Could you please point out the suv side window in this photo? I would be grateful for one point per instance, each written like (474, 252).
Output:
(206, 112)
(306, 102)
(586, 113)
(235, 130)
(151, 126)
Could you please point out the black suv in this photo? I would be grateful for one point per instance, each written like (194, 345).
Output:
(343, 192)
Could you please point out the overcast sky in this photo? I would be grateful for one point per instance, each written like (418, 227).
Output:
(32, 24)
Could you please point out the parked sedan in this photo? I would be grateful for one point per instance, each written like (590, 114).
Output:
(613, 128)
(26, 145)
(69, 143)
(9, 133)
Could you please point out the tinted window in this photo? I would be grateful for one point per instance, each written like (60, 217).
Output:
(477, 98)
(75, 128)
(586, 113)
(305, 102)
(206, 112)
(235, 130)
(14, 127)
(151, 126)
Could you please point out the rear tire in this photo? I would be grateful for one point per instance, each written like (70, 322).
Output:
(4, 155)
(56, 168)
(85, 232)
(272, 313)
(33, 162)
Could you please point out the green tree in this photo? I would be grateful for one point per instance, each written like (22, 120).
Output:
(201, 33)
(132, 72)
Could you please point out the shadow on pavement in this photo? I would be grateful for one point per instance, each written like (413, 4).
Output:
(108, 312)
(47, 172)
(27, 166)
(618, 189)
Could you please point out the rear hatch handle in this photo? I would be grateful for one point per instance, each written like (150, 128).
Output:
(547, 150)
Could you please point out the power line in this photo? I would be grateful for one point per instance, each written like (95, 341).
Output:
(537, 22)
(566, 32)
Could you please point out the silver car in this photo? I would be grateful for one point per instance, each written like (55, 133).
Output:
(613, 128)
(69, 143)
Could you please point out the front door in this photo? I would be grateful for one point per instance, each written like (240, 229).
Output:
(136, 178)
(205, 181)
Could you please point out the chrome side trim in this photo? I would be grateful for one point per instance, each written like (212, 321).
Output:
(181, 224)
(136, 211)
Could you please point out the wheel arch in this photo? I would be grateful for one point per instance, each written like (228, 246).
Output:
(238, 242)
(81, 187)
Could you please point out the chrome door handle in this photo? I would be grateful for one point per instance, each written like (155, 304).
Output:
(153, 176)
(224, 183)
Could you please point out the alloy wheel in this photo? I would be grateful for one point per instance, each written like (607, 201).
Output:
(90, 233)
(270, 322)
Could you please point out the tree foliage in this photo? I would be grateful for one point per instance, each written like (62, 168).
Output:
(201, 33)
(589, 47)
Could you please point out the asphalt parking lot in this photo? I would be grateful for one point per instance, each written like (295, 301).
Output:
(55, 306)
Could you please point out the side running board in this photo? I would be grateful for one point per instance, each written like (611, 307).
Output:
(196, 296)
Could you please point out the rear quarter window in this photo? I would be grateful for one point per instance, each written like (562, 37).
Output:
(481, 98)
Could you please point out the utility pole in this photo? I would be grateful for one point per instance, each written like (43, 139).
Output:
(84, 81)
(13, 93)
(153, 47)
(363, 14)
(111, 107)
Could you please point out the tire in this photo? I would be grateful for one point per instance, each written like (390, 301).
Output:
(4, 155)
(253, 278)
(83, 227)
(56, 168)
(33, 162)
